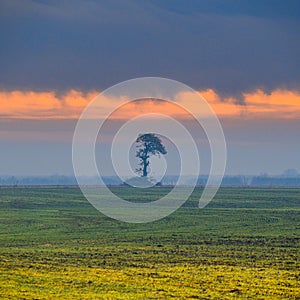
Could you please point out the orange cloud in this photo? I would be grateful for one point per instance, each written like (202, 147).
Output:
(43, 105)
(222, 108)
(26, 104)
(148, 106)
(279, 103)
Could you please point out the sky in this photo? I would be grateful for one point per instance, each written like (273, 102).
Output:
(241, 56)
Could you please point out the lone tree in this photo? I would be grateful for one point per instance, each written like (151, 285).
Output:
(148, 144)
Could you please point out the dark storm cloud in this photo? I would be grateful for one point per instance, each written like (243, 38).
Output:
(260, 8)
(229, 46)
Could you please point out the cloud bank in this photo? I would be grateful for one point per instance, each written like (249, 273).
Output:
(279, 104)
(91, 45)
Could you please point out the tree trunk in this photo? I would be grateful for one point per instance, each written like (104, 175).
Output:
(145, 165)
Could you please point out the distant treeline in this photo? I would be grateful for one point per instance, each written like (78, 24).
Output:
(238, 180)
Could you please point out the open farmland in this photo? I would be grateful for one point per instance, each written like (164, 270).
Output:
(244, 244)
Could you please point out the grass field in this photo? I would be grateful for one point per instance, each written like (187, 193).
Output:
(244, 244)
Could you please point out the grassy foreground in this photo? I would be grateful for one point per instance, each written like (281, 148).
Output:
(55, 245)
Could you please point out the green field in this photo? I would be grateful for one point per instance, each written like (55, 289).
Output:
(244, 244)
